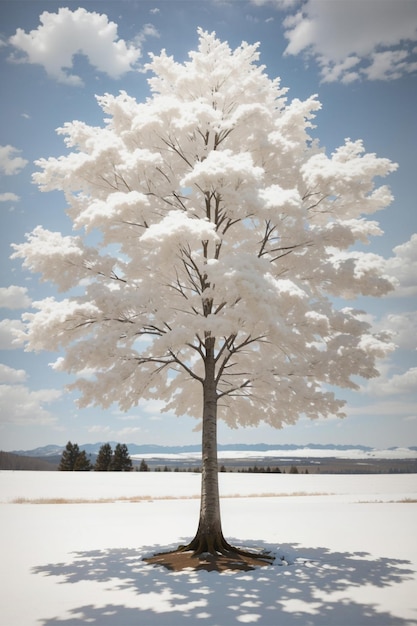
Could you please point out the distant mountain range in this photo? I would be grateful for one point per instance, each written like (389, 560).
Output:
(135, 449)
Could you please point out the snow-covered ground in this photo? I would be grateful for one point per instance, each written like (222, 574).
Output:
(348, 545)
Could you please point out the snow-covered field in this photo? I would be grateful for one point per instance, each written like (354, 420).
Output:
(348, 544)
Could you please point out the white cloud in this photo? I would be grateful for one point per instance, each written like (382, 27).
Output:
(374, 37)
(19, 405)
(66, 33)
(155, 10)
(9, 375)
(404, 328)
(14, 297)
(400, 385)
(9, 163)
(9, 197)
(127, 432)
(148, 30)
(109, 433)
(390, 408)
(279, 4)
(99, 429)
(402, 267)
(389, 65)
(8, 333)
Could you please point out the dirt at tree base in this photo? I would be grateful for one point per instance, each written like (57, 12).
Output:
(181, 560)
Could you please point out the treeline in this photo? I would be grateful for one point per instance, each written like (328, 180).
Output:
(241, 470)
(75, 460)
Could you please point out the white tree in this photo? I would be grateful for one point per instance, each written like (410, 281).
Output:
(226, 233)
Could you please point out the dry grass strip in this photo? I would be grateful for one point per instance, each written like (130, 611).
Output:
(148, 498)
(402, 501)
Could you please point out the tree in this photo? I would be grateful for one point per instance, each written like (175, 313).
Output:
(69, 457)
(82, 463)
(121, 461)
(74, 460)
(227, 233)
(143, 467)
(104, 458)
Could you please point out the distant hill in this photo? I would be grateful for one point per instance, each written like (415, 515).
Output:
(10, 461)
(54, 451)
(135, 449)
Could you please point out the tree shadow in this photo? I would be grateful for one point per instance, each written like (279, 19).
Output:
(303, 587)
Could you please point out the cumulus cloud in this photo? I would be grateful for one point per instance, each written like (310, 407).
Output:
(402, 385)
(8, 333)
(66, 33)
(19, 405)
(14, 297)
(10, 163)
(9, 375)
(354, 40)
(402, 267)
(403, 327)
(9, 197)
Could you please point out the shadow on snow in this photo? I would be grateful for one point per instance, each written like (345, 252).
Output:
(294, 591)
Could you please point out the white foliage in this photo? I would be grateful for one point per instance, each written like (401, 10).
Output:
(220, 219)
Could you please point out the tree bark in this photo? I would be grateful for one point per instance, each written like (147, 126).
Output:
(209, 536)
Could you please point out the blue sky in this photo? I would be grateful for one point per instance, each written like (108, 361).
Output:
(360, 57)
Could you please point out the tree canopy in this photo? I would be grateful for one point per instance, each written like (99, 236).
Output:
(219, 216)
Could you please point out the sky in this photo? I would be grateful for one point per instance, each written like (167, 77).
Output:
(359, 56)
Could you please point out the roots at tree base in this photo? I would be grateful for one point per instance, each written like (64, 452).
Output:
(211, 552)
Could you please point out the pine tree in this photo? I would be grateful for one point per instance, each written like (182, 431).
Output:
(121, 461)
(104, 458)
(69, 457)
(144, 467)
(82, 462)
(74, 460)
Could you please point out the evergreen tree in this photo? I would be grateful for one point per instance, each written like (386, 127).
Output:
(69, 457)
(104, 458)
(82, 463)
(144, 467)
(121, 461)
(74, 460)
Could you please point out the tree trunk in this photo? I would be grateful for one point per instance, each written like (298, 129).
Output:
(209, 536)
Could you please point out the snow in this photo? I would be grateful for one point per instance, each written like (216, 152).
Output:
(307, 453)
(347, 542)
